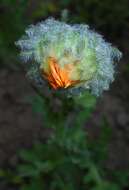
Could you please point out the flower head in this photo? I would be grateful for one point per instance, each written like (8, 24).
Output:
(59, 77)
(69, 57)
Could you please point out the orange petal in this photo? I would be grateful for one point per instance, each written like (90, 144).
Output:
(59, 77)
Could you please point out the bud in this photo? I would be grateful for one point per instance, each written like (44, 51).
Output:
(68, 58)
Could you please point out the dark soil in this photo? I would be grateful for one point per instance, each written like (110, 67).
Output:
(19, 126)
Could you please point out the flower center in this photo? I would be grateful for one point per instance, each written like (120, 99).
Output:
(59, 77)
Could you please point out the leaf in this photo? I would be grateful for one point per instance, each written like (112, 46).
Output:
(28, 170)
(29, 155)
(86, 100)
(34, 185)
(38, 105)
(2, 173)
(121, 177)
(44, 166)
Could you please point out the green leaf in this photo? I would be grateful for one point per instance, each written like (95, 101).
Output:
(44, 166)
(86, 100)
(28, 170)
(29, 155)
(34, 185)
(38, 105)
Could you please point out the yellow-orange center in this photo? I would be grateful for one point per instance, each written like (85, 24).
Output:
(59, 77)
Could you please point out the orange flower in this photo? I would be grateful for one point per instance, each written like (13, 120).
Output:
(59, 77)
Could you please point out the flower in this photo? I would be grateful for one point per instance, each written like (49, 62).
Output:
(71, 58)
(59, 77)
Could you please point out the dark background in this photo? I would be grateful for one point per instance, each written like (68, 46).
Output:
(19, 126)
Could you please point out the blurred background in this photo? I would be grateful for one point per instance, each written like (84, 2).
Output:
(19, 126)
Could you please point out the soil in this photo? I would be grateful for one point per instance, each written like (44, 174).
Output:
(19, 126)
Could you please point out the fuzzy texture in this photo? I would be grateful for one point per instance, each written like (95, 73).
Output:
(92, 58)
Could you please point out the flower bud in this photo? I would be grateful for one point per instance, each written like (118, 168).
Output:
(71, 58)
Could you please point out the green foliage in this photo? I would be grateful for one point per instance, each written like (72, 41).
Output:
(12, 24)
(57, 107)
(63, 162)
(9, 177)
(99, 146)
(87, 103)
(45, 9)
(68, 159)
